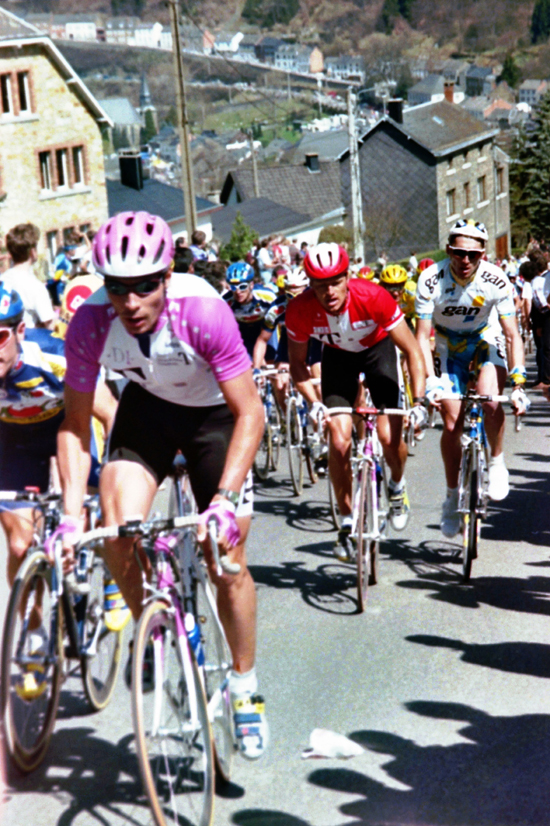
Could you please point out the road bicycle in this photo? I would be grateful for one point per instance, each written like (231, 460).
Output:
(72, 616)
(269, 451)
(473, 475)
(370, 500)
(304, 444)
(180, 672)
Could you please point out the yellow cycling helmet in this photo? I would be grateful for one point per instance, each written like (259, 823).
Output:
(394, 274)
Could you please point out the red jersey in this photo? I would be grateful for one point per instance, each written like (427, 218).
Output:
(368, 315)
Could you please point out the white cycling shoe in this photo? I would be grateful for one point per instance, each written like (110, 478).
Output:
(499, 479)
(451, 519)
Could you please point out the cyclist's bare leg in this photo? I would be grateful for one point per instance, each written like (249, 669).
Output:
(491, 381)
(280, 387)
(237, 604)
(451, 448)
(127, 490)
(315, 370)
(390, 433)
(339, 460)
(360, 401)
(19, 529)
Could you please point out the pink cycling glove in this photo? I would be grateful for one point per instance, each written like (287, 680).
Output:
(68, 527)
(224, 514)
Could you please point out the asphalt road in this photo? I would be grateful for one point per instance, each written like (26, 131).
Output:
(443, 685)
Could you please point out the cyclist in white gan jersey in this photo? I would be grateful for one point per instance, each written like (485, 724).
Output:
(470, 303)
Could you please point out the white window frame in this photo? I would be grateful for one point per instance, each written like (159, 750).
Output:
(450, 200)
(23, 85)
(45, 161)
(52, 242)
(481, 185)
(78, 165)
(6, 92)
(62, 167)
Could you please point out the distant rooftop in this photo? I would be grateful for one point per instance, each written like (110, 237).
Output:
(12, 27)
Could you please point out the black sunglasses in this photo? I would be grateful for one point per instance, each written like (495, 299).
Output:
(471, 255)
(120, 288)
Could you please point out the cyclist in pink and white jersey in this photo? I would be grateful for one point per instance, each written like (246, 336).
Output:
(360, 325)
(190, 388)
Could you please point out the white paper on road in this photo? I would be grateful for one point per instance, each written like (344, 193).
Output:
(325, 743)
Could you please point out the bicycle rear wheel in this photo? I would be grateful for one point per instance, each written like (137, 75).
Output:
(274, 424)
(101, 648)
(216, 670)
(29, 722)
(294, 444)
(367, 541)
(263, 458)
(173, 738)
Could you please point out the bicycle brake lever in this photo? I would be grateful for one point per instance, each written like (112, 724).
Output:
(223, 564)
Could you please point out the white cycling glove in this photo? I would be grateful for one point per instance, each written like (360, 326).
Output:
(520, 400)
(419, 416)
(317, 411)
(434, 389)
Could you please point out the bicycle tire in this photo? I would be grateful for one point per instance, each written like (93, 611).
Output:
(100, 669)
(517, 423)
(471, 518)
(28, 724)
(367, 546)
(174, 751)
(294, 444)
(216, 671)
(263, 458)
(276, 436)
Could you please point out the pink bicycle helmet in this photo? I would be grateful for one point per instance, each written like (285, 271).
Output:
(326, 261)
(132, 244)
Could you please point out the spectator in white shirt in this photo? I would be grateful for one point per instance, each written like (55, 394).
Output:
(21, 242)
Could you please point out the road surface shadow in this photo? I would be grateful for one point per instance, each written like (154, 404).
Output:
(324, 588)
(530, 658)
(498, 777)
(266, 817)
(311, 516)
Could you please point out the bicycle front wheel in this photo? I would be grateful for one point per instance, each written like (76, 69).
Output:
(471, 519)
(367, 539)
(274, 425)
(101, 648)
(172, 731)
(263, 458)
(31, 680)
(216, 670)
(294, 443)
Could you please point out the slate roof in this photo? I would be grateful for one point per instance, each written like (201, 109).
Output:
(155, 197)
(263, 215)
(441, 127)
(480, 72)
(121, 111)
(295, 187)
(328, 145)
(12, 27)
(430, 85)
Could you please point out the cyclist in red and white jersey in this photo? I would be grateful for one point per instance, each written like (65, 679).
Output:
(360, 325)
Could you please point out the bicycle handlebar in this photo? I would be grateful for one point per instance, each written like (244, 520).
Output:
(367, 411)
(473, 397)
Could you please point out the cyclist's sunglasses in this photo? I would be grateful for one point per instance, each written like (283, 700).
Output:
(5, 333)
(120, 288)
(471, 255)
(241, 287)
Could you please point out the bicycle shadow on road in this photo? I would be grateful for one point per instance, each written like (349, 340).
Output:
(323, 588)
(266, 817)
(497, 775)
(312, 516)
(437, 569)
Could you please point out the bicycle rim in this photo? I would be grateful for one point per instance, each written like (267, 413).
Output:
(471, 529)
(173, 738)
(262, 460)
(276, 436)
(367, 543)
(333, 504)
(28, 724)
(100, 661)
(216, 671)
(294, 442)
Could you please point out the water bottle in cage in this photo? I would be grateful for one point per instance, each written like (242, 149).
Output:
(379, 479)
(194, 637)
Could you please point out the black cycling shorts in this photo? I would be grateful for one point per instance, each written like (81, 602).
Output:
(340, 372)
(150, 431)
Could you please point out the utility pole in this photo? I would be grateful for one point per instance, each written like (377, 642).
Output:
(183, 123)
(355, 181)
(254, 165)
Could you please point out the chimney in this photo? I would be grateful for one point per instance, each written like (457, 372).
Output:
(312, 161)
(395, 109)
(131, 172)
(449, 90)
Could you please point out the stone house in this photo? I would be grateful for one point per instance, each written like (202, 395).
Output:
(531, 91)
(51, 154)
(421, 170)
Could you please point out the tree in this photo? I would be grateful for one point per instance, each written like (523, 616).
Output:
(149, 130)
(510, 72)
(336, 234)
(540, 21)
(242, 238)
(538, 167)
(519, 177)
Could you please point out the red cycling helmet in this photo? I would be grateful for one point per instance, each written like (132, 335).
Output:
(424, 264)
(326, 261)
(132, 244)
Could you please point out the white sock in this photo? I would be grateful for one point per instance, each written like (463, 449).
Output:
(347, 521)
(452, 493)
(240, 684)
(397, 487)
(497, 460)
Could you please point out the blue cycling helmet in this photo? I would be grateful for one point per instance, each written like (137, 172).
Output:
(11, 307)
(239, 273)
